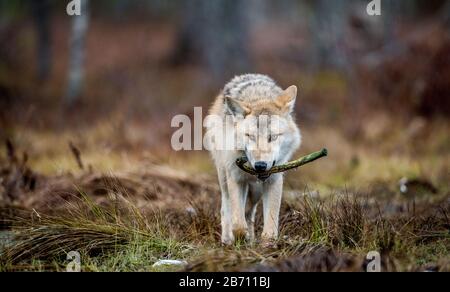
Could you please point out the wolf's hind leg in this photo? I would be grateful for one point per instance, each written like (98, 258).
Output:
(251, 215)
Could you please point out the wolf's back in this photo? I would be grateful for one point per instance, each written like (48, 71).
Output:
(252, 87)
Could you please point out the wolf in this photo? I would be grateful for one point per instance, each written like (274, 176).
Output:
(256, 111)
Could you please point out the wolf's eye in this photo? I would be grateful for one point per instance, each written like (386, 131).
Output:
(251, 137)
(273, 138)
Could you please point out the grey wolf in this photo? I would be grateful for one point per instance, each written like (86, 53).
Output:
(259, 113)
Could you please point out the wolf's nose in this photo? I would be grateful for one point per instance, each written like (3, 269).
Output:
(260, 166)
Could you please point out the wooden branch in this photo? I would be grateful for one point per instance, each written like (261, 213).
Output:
(77, 154)
(241, 163)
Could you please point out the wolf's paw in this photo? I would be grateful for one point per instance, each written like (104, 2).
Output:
(227, 242)
(269, 242)
(227, 239)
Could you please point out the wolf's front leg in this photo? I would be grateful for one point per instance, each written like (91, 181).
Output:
(238, 195)
(273, 190)
(227, 231)
(227, 237)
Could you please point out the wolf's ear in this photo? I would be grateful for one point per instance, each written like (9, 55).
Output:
(287, 99)
(236, 108)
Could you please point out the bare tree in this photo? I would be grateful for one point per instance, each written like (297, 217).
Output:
(215, 34)
(446, 14)
(327, 25)
(80, 24)
(41, 14)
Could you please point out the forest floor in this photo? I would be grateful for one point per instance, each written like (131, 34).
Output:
(125, 213)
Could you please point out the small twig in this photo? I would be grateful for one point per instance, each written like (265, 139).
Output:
(77, 154)
(10, 152)
(241, 163)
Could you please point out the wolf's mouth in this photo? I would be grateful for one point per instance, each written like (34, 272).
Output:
(264, 175)
(240, 162)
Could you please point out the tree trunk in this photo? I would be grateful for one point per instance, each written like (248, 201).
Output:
(41, 14)
(328, 24)
(77, 54)
(214, 33)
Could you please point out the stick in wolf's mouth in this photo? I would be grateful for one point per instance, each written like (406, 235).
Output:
(241, 163)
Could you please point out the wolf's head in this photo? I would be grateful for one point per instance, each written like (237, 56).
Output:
(265, 129)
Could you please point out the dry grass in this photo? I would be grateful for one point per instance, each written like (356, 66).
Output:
(316, 234)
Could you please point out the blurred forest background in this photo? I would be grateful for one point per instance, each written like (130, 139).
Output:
(86, 104)
(109, 81)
